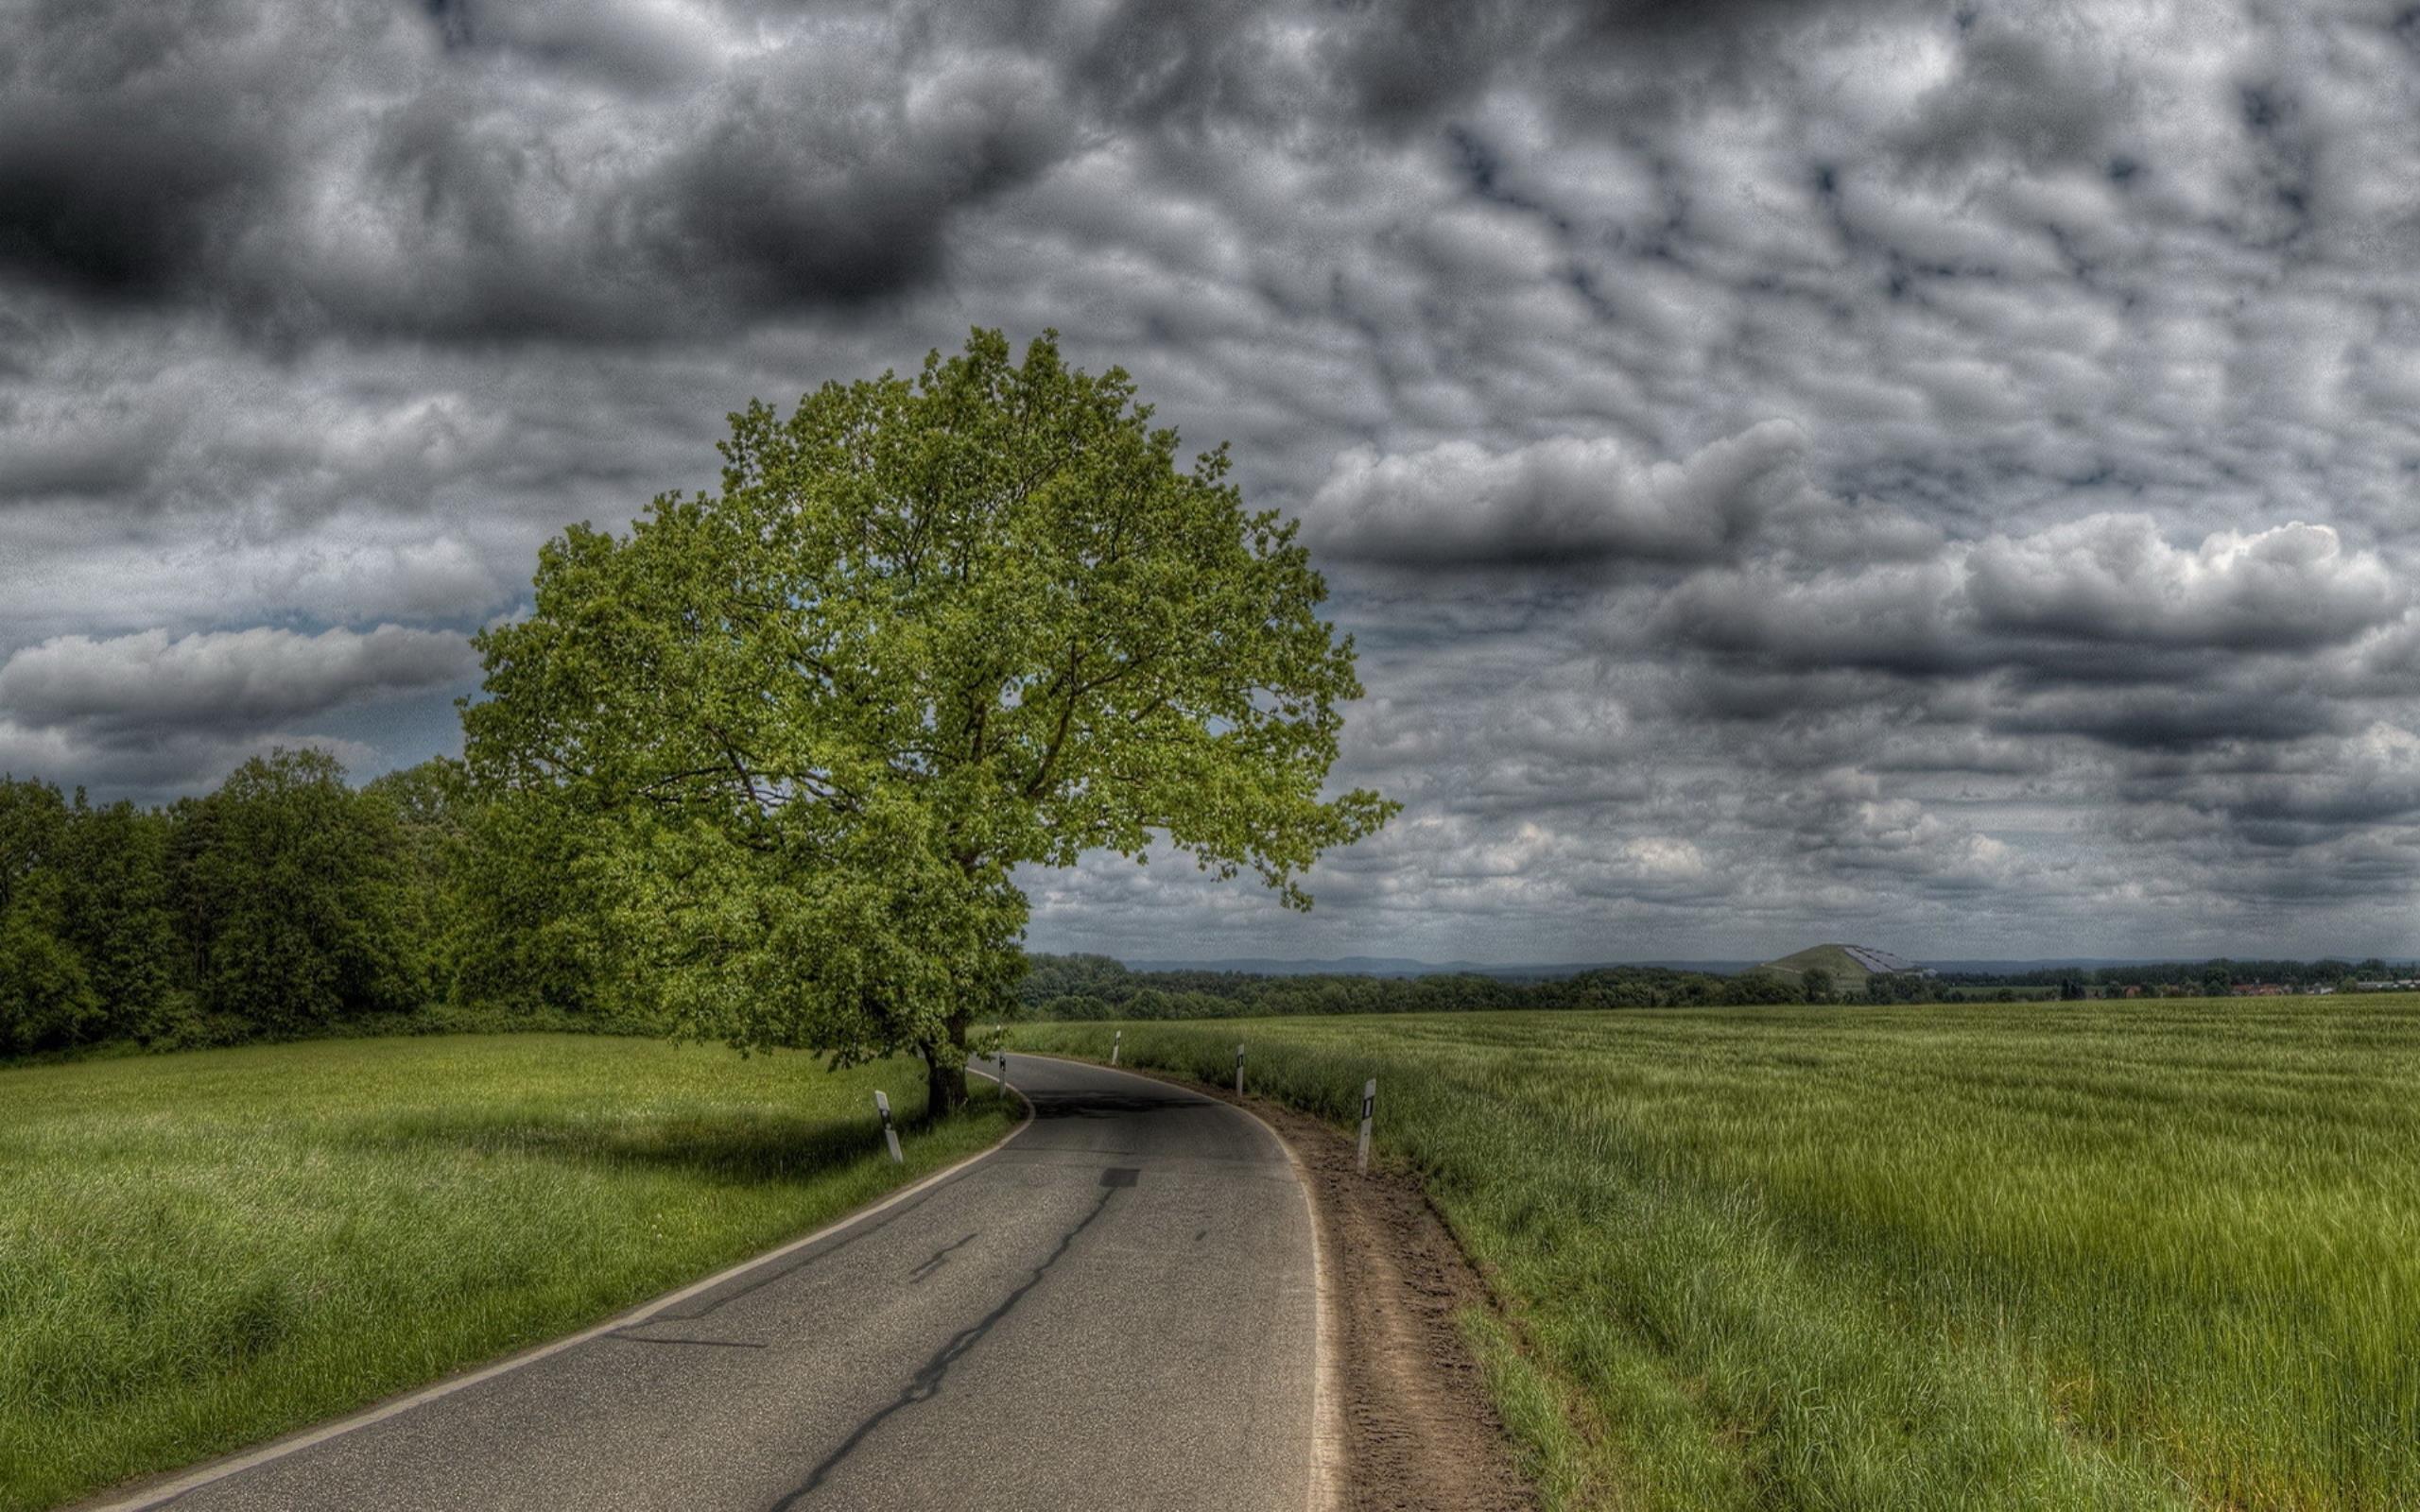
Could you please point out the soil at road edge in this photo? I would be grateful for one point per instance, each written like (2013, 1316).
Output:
(1420, 1433)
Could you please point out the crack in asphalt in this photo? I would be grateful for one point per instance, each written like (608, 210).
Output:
(939, 1257)
(927, 1383)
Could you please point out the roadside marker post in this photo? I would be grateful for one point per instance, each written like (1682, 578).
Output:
(1116, 1038)
(1369, 1108)
(890, 1135)
(1003, 1058)
(1239, 1070)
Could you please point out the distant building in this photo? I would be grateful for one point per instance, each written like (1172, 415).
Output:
(2260, 989)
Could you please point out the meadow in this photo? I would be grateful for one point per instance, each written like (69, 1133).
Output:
(2157, 1254)
(199, 1251)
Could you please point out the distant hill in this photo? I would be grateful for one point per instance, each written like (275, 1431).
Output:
(1849, 964)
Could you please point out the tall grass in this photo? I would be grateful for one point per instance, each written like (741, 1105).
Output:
(2147, 1255)
(202, 1250)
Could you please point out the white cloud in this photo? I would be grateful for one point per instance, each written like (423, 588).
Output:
(2114, 577)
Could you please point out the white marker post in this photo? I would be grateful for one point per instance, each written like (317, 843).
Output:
(1240, 1069)
(1369, 1108)
(1116, 1038)
(1003, 1058)
(890, 1135)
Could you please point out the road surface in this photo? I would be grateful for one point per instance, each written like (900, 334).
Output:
(1115, 1308)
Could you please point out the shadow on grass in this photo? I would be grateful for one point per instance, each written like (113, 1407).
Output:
(740, 1149)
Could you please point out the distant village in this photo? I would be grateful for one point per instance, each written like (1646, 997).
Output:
(2312, 990)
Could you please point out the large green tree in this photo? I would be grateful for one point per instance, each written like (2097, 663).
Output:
(927, 631)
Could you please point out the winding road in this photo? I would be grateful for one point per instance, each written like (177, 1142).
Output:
(1115, 1308)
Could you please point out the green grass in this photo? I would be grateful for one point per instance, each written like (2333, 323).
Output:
(199, 1251)
(2153, 1254)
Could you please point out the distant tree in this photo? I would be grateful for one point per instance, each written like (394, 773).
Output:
(1817, 982)
(461, 864)
(1759, 986)
(46, 999)
(1100, 978)
(927, 632)
(115, 910)
(306, 883)
(1078, 1005)
(33, 828)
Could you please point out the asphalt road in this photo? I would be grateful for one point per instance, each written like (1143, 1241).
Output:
(1114, 1309)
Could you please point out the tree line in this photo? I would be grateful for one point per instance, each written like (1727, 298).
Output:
(2211, 978)
(1100, 986)
(286, 902)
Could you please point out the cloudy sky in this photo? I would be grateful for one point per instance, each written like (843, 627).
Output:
(1936, 477)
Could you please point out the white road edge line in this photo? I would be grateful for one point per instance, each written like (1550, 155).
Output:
(1328, 1453)
(279, 1449)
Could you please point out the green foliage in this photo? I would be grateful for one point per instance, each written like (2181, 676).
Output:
(310, 917)
(524, 926)
(926, 632)
(33, 830)
(288, 903)
(83, 939)
(2107, 1256)
(46, 999)
(114, 873)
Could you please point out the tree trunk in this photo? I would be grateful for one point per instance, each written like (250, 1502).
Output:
(945, 1070)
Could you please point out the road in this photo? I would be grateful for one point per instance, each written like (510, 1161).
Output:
(1115, 1308)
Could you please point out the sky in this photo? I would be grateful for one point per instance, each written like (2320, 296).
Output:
(1930, 477)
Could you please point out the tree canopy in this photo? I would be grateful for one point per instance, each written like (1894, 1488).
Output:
(926, 632)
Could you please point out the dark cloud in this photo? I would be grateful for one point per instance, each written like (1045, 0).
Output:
(496, 173)
(134, 148)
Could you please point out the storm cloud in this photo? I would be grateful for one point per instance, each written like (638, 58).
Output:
(1872, 468)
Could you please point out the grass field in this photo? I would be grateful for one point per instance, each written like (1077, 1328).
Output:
(2146, 1255)
(201, 1250)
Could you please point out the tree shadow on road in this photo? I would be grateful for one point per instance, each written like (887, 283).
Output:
(1111, 1105)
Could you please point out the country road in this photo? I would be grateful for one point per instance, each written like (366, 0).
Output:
(1114, 1309)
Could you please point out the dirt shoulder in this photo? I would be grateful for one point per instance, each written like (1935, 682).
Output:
(1420, 1433)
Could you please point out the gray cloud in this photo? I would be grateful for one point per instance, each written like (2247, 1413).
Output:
(496, 173)
(1560, 500)
(132, 688)
(1881, 470)
(152, 715)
